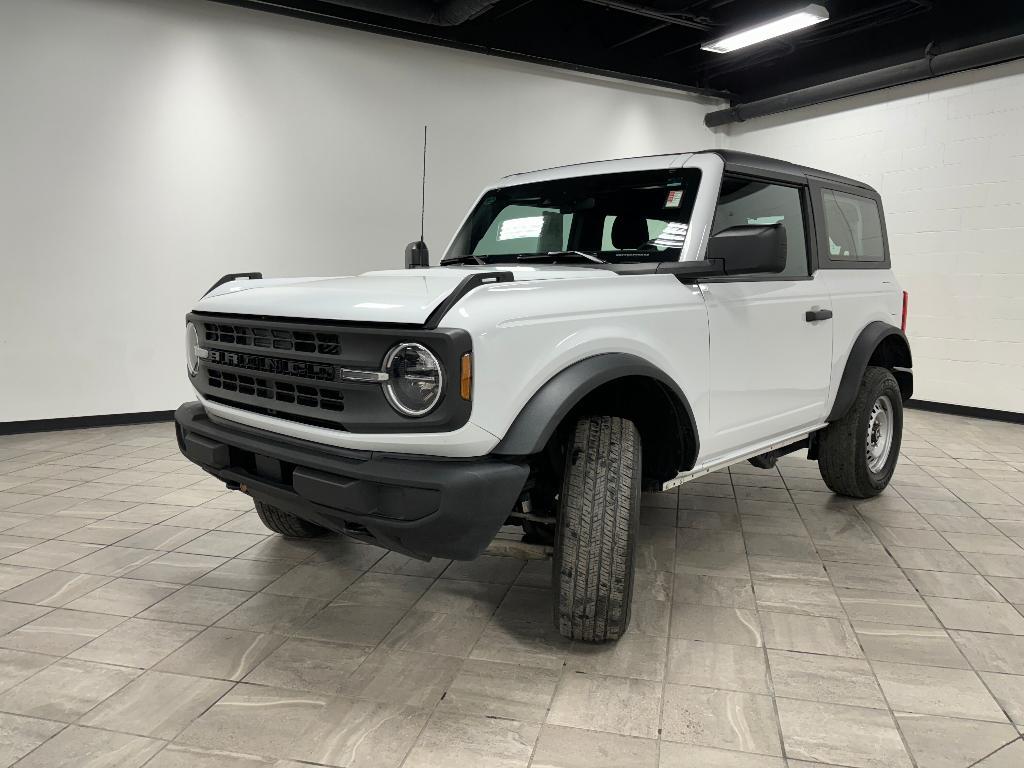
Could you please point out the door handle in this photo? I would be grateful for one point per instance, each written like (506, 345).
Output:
(814, 315)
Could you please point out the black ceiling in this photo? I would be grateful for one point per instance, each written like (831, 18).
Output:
(659, 40)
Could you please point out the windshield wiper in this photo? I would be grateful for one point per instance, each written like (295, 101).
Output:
(466, 258)
(560, 255)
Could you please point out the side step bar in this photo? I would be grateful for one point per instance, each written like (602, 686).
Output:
(707, 469)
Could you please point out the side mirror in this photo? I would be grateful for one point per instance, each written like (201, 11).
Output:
(417, 255)
(750, 249)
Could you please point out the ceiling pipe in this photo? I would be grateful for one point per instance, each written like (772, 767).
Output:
(447, 14)
(931, 66)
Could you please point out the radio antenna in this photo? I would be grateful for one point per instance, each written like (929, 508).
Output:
(423, 187)
(416, 254)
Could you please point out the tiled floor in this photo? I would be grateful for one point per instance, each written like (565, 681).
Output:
(146, 618)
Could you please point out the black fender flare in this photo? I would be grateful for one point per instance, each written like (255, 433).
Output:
(545, 411)
(868, 342)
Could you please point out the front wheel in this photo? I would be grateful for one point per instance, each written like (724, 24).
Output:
(597, 529)
(858, 453)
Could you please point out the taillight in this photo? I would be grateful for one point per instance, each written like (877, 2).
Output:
(906, 301)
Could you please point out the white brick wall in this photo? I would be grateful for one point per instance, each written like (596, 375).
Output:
(948, 158)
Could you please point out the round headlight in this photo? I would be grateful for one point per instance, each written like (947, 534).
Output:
(415, 379)
(192, 349)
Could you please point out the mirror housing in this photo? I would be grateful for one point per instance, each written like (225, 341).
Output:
(750, 249)
(417, 255)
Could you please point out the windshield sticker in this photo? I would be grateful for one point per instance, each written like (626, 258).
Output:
(675, 197)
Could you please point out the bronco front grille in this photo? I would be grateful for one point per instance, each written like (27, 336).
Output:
(289, 371)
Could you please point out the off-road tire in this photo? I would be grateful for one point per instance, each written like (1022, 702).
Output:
(842, 458)
(286, 524)
(598, 515)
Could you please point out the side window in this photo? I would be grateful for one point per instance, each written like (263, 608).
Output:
(747, 201)
(853, 226)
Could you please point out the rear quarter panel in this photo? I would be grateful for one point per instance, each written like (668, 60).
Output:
(859, 297)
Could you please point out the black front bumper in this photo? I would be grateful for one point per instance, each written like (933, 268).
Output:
(422, 506)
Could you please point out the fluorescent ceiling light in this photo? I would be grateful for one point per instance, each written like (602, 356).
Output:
(812, 14)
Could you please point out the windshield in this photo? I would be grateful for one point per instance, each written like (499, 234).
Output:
(640, 216)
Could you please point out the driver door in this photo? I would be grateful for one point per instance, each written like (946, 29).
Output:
(770, 366)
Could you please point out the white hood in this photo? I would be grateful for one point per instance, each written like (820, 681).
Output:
(389, 296)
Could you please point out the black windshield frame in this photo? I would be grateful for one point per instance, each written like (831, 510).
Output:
(591, 203)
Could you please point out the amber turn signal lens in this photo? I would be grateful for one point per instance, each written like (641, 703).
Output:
(466, 377)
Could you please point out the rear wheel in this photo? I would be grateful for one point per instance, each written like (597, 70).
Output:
(858, 453)
(287, 524)
(597, 529)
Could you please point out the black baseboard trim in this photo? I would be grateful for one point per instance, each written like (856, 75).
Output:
(991, 414)
(83, 422)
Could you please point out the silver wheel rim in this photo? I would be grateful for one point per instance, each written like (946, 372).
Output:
(879, 436)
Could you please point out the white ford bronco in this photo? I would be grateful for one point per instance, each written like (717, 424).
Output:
(592, 331)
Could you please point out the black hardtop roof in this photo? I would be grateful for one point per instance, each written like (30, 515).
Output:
(745, 161)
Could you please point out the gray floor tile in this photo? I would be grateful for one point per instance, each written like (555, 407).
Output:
(449, 634)
(1008, 690)
(738, 626)
(930, 646)
(723, 719)
(177, 567)
(625, 706)
(496, 689)
(977, 616)
(65, 690)
(466, 598)
(228, 654)
(309, 665)
(674, 755)
(16, 666)
(320, 581)
(450, 739)
(959, 585)
(717, 665)
(50, 554)
(20, 735)
(353, 624)
(123, 597)
(810, 634)
(157, 704)
(76, 747)
(384, 590)
(792, 596)
(831, 679)
(196, 605)
(402, 677)
(137, 643)
(887, 607)
(246, 575)
(992, 653)
(59, 632)
(518, 642)
(55, 589)
(634, 655)
(220, 543)
(162, 537)
(841, 735)
(945, 742)
(278, 614)
(560, 747)
(937, 691)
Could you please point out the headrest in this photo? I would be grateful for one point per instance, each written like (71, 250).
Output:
(630, 232)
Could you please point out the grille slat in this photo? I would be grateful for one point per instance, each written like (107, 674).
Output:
(278, 391)
(310, 342)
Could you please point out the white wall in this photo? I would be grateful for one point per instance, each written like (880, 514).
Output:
(948, 158)
(149, 146)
